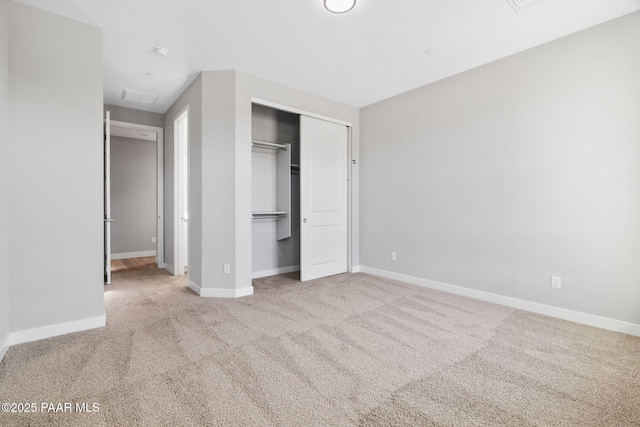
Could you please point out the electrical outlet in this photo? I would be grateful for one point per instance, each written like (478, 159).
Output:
(556, 282)
(227, 268)
(153, 240)
(393, 256)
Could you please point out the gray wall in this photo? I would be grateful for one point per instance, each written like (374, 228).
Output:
(269, 253)
(192, 97)
(219, 185)
(502, 176)
(4, 176)
(133, 195)
(211, 101)
(55, 95)
(220, 170)
(131, 115)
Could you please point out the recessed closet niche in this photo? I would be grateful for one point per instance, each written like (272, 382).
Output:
(300, 174)
(275, 191)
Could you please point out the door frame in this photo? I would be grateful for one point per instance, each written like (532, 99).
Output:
(159, 182)
(177, 192)
(107, 197)
(351, 227)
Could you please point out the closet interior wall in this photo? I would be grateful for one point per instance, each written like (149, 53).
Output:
(271, 256)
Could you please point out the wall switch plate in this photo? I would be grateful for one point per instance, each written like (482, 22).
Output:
(153, 240)
(556, 282)
(393, 256)
(227, 268)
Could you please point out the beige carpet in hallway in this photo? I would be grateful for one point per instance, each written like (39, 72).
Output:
(342, 351)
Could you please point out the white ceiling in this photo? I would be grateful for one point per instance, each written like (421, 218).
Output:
(371, 53)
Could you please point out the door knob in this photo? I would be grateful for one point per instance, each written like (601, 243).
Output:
(304, 220)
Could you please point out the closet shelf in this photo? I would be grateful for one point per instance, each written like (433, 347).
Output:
(271, 145)
(265, 215)
(282, 206)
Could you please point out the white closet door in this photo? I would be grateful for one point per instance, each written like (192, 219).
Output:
(323, 199)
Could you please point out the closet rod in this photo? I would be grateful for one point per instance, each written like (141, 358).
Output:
(265, 215)
(269, 145)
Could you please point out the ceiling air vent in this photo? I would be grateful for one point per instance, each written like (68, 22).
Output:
(143, 98)
(519, 5)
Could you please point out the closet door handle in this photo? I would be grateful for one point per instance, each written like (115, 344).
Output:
(304, 220)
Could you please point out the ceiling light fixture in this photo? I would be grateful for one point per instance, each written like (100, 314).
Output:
(339, 6)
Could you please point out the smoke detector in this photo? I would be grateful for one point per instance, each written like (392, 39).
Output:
(519, 5)
(161, 51)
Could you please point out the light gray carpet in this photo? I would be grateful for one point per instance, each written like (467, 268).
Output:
(346, 350)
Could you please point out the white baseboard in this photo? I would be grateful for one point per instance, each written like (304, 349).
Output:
(275, 271)
(35, 334)
(354, 269)
(127, 255)
(220, 293)
(194, 287)
(560, 313)
(171, 270)
(4, 347)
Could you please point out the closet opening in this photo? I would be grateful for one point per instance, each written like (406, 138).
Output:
(275, 192)
(300, 168)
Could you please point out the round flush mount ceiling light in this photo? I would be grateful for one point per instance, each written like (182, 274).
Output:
(339, 6)
(161, 51)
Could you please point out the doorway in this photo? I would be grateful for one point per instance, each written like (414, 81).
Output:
(134, 173)
(181, 192)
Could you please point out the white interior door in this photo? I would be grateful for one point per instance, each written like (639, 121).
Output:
(323, 198)
(182, 133)
(107, 199)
